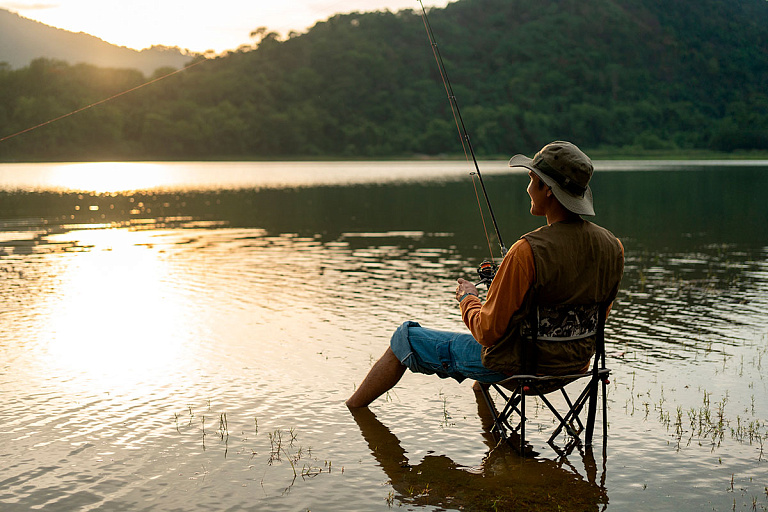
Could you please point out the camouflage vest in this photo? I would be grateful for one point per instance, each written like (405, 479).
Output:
(578, 266)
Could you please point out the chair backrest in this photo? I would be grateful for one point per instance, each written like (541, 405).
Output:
(563, 323)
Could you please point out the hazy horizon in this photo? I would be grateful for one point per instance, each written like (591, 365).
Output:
(193, 25)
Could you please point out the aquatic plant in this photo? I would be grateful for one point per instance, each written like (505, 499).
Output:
(223, 428)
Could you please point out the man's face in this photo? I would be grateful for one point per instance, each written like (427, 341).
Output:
(539, 193)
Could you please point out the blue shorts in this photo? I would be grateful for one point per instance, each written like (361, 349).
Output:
(445, 354)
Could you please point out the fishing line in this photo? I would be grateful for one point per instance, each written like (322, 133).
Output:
(101, 101)
(466, 144)
(482, 216)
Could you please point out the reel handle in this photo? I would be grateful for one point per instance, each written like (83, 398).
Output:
(486, 271)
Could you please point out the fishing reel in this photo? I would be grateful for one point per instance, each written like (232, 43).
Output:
(486, 271)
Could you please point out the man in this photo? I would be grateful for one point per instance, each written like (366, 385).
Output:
(568, 262)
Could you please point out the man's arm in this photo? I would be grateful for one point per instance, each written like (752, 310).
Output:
(489, 322)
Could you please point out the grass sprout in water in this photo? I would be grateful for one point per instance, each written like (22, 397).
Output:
(283, 447)
(707, 424)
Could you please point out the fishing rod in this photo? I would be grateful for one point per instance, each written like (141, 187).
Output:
(487, 269)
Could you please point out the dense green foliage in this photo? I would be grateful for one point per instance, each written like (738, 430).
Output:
(647, 74)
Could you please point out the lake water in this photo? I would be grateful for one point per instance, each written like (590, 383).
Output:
(182, 336)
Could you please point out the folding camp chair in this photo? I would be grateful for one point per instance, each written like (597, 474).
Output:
(582, 322)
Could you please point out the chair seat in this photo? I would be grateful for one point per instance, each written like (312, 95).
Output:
(534, 385)
(545, 384)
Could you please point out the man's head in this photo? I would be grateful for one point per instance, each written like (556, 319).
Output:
(566, 170)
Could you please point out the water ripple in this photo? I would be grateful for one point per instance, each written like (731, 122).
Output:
(153, 365)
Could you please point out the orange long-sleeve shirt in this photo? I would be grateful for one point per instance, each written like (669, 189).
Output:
(489, 321)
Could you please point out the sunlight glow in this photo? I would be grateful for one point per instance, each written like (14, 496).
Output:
(115, 317)
(195, 25)
(109, 177)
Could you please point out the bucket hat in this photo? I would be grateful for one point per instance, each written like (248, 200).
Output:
(566, 170)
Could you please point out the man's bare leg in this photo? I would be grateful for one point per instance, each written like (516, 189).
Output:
(381, 378)
(478, 386)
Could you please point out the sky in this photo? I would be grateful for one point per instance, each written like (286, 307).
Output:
(196, 25)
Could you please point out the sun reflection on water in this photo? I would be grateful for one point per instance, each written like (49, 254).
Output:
(116, 316)
(110, 177)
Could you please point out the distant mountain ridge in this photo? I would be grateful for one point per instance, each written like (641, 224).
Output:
(22, 40)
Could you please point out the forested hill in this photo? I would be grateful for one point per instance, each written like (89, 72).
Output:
(647, 74)
(22, 40)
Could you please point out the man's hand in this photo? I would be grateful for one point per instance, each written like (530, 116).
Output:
(464, 288)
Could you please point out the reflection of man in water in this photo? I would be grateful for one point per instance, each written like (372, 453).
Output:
(568, 261)
(504, 482)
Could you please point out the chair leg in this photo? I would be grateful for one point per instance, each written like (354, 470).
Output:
(522, 420)
(514, 403)
(500, 419)
(605, 413)
(497, 425)
(573, 413)
(591, 413)
(564, 421)
(571, 408)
